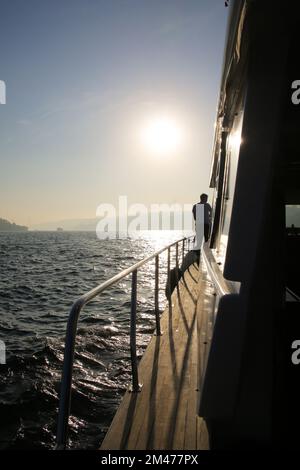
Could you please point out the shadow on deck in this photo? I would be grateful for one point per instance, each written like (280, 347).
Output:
(164, 414)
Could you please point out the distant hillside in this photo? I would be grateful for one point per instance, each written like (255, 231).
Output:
(6, 226)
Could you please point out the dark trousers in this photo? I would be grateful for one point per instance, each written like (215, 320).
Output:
(206, 232)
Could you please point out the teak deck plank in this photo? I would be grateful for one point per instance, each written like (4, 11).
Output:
(164, 414)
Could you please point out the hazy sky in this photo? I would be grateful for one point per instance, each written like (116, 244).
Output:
(83, 77)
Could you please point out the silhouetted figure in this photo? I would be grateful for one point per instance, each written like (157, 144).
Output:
(207, 214)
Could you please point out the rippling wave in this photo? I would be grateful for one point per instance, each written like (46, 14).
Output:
(42, 273)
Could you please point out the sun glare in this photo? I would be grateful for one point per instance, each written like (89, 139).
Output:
(161, 136)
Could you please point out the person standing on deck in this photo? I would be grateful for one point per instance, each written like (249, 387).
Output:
(203, 210)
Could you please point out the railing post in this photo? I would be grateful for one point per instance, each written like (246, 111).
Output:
(183, 249)
(168, 280)
(158, 332)
(177, 264)
(66, 381)
(136, 387)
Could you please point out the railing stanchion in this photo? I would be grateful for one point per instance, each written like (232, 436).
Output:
(158, 332)
(135, 378)
(177, 279)
(168, 280)
(183, 249)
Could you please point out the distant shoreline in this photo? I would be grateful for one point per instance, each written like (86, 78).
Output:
(7, 227)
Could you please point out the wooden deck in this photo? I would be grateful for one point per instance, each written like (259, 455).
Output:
(164, 414)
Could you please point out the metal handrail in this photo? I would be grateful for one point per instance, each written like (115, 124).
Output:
(66, 382)
(221, 285)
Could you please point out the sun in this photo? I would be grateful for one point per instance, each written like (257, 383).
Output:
(161, 136)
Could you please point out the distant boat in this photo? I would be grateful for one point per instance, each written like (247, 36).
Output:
(59, 229)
